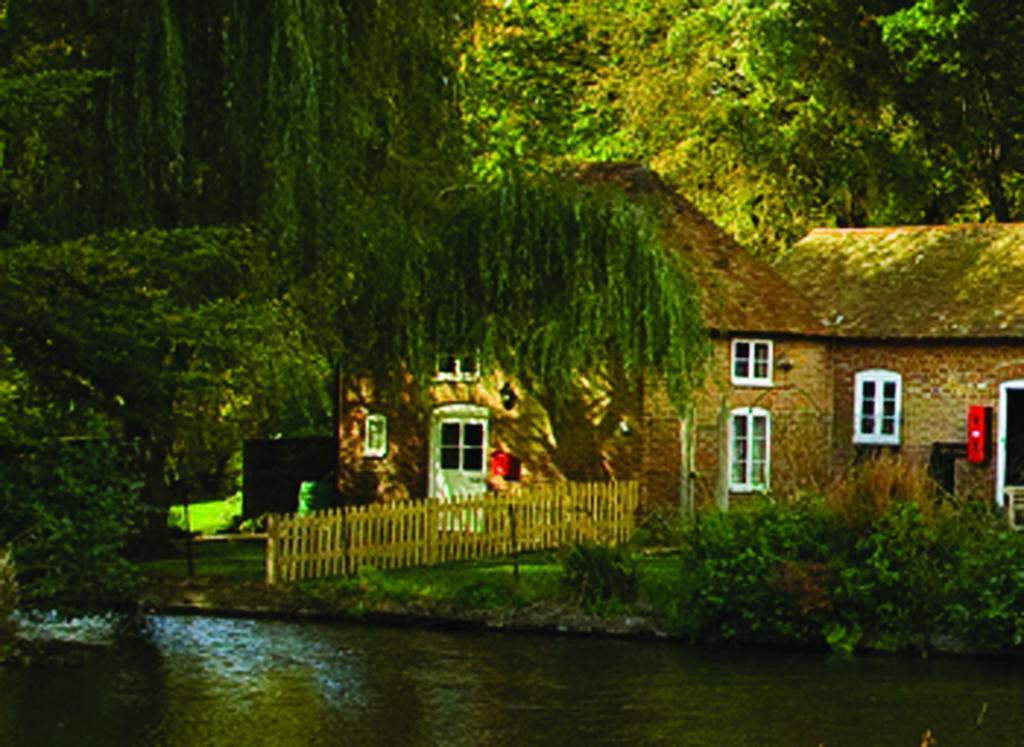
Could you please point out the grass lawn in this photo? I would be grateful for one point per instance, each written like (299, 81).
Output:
(481, 585)
(227, 560)
(208, 517)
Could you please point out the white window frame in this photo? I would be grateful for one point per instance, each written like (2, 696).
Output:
(461, 373)
(375, 436)
(747, 484)
(749, 378)
(879, 377)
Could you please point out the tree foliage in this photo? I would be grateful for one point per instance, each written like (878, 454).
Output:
(179, 179)
(556, 280)
(773, 116)
(209, 205)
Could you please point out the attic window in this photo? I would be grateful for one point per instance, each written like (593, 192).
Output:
(752, 362)
(876, 407)
(457, 368)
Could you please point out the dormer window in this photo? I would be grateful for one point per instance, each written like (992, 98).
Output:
(752, 362)
(457, 368)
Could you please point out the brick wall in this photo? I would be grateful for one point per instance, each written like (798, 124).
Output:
(589, 443)
(940, 381)
(800, 401)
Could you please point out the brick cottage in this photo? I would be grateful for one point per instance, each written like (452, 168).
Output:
(854, 341)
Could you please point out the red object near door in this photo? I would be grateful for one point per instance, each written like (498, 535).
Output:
(979, 433)
(505, 465)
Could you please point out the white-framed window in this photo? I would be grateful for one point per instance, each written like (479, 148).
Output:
(876, 407)
(752, 362)
(375, 436)
(451, 367)
(750, 437)
(463, 443)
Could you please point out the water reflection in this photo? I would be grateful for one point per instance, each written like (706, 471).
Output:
(190, 681)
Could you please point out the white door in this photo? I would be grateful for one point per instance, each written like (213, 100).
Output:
(458, 450)
(1010, 441)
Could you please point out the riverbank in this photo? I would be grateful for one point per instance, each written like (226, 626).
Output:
(792, 575)
(484, 595)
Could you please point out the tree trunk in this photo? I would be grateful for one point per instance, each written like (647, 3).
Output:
(156, 494)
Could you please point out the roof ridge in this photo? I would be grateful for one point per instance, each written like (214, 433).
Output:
(911, 228)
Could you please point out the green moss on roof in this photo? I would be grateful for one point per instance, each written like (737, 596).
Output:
(962, 281)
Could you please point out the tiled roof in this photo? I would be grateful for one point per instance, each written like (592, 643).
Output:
(739, 294)
(964, 281)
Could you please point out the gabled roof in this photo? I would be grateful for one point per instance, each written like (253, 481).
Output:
(964, 281)
(739, 294)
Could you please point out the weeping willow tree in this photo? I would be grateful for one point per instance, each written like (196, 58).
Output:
(551, 279)
(314, 124)
(308, 117)
(573, 289)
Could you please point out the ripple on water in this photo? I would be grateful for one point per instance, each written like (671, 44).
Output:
(213, 681)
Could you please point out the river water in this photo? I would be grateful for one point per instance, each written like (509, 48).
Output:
(214, 681)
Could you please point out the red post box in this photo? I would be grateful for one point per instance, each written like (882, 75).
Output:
(979, 433)
(505, 465)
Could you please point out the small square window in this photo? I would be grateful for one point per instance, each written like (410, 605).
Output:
(752, 362)
(457, 368)
(375, 438)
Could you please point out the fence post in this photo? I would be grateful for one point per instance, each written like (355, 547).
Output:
(271, 555)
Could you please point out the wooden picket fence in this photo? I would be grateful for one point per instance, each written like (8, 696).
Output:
(409, 533)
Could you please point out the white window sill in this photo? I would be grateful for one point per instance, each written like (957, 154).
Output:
(876, 440)
(756, 383)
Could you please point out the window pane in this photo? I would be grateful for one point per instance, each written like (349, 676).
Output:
(467, 365)
(473, 459)
(758, 473)
(761, 360)
(867, 390)
(739, 449)
(473, 434)
(449, 457)
(759, 439)
(741, 360)
(739, 470)
(889, 391)
(888, 426)
(759, 450)
(447, 364)
(449, 434)
(867, 424)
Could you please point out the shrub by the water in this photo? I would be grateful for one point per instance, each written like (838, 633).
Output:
(760, 574)
(898, 576)
(597, 574)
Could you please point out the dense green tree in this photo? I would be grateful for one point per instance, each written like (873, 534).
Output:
(773, 116)
(213, 204)
(137, 144)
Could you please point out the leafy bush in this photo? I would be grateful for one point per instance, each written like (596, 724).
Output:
(597, 574)
(983, 586)
(801, 573)
(664, 527)
(890, 586)
(68, 509)
(761, 574)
